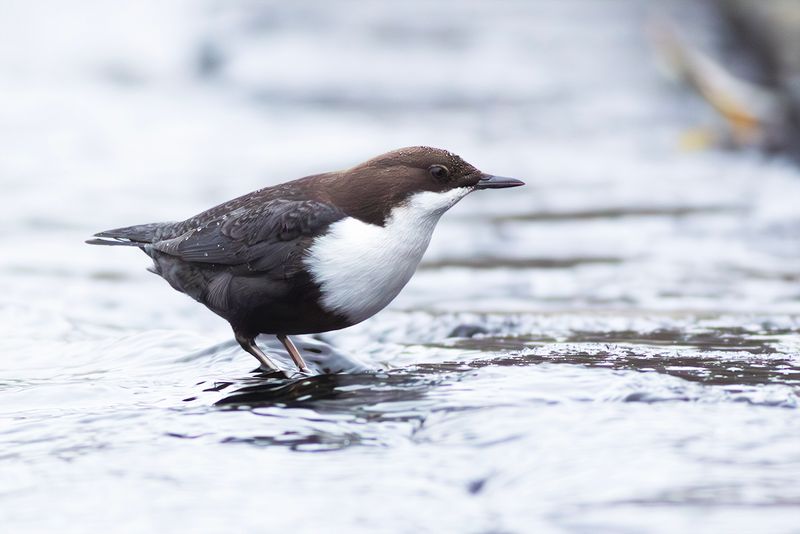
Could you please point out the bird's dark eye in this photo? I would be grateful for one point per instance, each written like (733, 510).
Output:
(440, 172)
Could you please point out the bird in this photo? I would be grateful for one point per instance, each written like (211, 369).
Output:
(311, 255)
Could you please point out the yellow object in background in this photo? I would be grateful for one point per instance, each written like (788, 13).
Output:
(750, 111)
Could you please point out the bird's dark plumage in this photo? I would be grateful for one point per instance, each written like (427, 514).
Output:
(245, 259)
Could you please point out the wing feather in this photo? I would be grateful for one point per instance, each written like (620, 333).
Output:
(258, 236)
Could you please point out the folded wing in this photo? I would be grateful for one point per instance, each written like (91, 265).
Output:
(257, 236)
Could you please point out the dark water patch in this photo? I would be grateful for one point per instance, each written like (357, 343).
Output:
(721, 496)
(43, 223)
(519, 263)
(468, 330)
(618, 213)
(721, 356)
(109, 276)
(498, 343)
(713, 339)
(694, 368)
(396, 33)
(709, 371)
(331, 392)
(104, 275)
(781, 276)
(379, 104)
(309, 442)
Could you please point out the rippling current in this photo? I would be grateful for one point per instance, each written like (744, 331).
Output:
(613, 348)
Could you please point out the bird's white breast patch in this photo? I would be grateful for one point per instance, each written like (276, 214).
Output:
(361, 267)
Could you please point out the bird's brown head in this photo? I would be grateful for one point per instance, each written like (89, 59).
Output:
(372, 189)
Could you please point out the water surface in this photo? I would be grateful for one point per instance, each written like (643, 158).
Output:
(614, 348)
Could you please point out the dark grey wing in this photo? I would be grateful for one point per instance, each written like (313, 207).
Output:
(259, 236)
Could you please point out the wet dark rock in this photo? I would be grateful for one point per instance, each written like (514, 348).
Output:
(476, 486)
(468, 330)
(771, 28)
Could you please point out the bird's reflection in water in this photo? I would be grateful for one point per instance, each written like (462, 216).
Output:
(336, 410)
(329, 392)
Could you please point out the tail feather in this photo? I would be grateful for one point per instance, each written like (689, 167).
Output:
(131, 236)
(114, 242)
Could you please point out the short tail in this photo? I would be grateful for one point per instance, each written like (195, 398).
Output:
(130, 236)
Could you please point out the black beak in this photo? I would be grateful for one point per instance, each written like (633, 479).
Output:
(488, 181)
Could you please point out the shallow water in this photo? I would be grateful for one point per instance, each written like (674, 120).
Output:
(615, 347)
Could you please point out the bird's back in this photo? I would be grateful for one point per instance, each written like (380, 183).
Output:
(243, 258)
(140, 234)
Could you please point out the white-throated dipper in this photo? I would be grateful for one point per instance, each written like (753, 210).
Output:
(315, 254)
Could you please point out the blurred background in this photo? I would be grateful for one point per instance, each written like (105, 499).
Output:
(614, 347)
